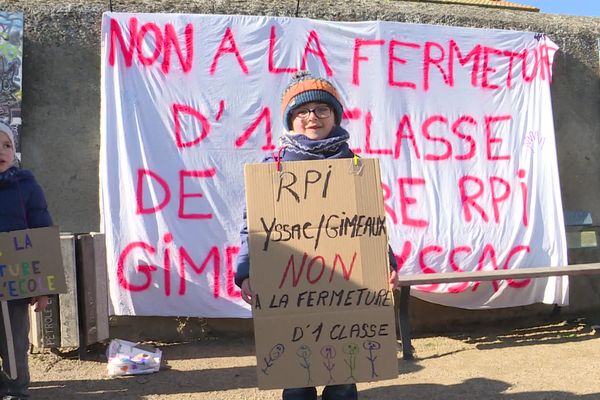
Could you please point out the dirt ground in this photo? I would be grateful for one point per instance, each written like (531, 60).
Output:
(560, 360)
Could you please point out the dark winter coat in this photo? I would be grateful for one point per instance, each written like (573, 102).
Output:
(22, 201)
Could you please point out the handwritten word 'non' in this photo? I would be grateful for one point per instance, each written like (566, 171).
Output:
(312, 269)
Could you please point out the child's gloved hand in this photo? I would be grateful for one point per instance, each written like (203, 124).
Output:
(40, 303)
(247, 291)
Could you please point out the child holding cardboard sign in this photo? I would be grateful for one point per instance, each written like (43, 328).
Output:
(312, 113)
(22, 206)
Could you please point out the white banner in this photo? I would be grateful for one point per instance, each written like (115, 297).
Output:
(460, 119)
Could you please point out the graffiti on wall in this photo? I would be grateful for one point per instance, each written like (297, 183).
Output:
(11, 61)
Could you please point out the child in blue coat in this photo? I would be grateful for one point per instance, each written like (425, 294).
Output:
(312, 113)
(22, 206)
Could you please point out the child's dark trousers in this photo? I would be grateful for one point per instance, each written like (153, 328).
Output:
(19, 320)
(333, 392)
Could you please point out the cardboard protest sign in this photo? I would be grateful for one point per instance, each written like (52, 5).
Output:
(323, 311)
(31, 263)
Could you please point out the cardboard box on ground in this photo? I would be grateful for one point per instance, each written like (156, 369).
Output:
(323, 311)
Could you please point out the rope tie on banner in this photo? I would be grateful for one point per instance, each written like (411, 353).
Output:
(277, 157)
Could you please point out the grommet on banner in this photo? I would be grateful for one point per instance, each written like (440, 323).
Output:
(356, 166)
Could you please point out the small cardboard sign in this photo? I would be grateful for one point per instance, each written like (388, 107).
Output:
(31, 263)
(323, 311)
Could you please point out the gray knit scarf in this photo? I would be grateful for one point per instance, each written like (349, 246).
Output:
(299, 147)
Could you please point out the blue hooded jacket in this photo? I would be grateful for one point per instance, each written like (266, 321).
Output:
(22, 201)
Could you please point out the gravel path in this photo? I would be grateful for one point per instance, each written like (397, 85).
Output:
(555, 361)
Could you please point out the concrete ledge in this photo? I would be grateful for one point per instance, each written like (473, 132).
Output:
(177, 329)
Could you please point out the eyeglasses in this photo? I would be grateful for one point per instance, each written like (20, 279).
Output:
(320, 112)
